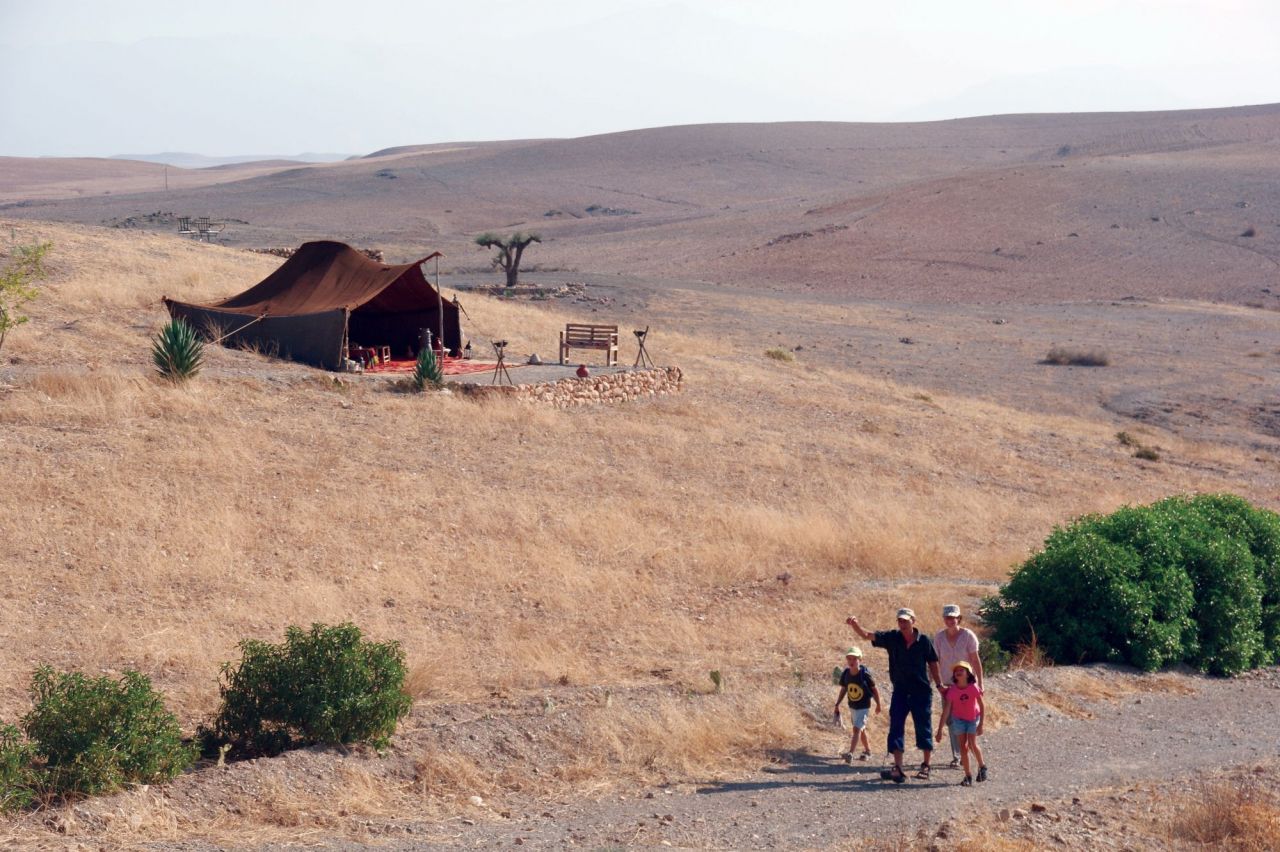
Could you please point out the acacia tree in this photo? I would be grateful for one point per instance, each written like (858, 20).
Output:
(510, 251)
(17, 282)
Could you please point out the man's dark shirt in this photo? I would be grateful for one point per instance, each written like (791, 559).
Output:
(908, 667)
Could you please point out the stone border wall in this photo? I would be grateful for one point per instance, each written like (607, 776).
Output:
(623, 386)
(288, 251)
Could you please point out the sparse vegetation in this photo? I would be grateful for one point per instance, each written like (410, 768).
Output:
(325, 685)
(1066, 357)
(1186, 579)
(1140, 450)
(177, 351)
(1229, 816)
(17, 284)
(777, 353)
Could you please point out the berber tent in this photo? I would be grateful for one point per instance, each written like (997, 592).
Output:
(322, 298)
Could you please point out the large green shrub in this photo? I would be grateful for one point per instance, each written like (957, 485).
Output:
(326, 685)
(94, 735)
(1194, 579)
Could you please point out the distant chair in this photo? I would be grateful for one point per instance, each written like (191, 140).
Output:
(206, 230)
(184, 227)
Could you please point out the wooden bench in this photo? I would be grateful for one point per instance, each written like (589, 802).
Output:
(579, 335)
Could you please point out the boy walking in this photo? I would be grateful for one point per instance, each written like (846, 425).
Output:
(856, 682)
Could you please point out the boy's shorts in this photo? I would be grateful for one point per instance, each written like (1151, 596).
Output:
(962, 726)
(859, 717)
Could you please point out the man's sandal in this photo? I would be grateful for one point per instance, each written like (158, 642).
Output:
(893, 774)
(954, 764)
(923, 772)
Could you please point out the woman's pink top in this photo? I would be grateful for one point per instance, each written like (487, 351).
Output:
(963, 701)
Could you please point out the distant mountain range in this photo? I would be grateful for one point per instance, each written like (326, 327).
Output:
(185, 160)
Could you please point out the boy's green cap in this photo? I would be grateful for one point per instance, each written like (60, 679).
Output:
(855, 651)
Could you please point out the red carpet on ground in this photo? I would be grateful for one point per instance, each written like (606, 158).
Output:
(450, 367)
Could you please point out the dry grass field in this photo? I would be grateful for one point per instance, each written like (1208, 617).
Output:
(585, 570)
(512, 550)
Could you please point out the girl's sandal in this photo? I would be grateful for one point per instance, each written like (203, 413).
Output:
(967, 782)
(923, 772)
(982, 773)
(866, 755)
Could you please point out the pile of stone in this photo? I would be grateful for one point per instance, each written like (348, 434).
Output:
(623, 386)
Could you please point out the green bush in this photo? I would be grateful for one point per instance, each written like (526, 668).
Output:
(995, 658)
(177, 351)
(17, 284)
(427, 371)
(326, 685)
(94, 735)
(19, 776)
(1187, 579)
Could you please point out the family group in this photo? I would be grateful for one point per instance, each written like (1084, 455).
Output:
(917, 666)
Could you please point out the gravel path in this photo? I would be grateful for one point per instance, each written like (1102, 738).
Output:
(812, 799)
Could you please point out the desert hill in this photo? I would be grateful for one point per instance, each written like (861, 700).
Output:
(1033, 208)
(188, 160)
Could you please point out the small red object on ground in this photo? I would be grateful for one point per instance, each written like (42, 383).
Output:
(583, 372)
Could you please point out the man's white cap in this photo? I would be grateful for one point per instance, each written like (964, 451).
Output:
(907, 612)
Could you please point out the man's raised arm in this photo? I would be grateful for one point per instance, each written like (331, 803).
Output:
(852, 621)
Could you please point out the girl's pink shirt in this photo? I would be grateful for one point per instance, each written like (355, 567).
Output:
(963, 701)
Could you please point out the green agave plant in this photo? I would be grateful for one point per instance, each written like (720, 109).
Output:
(177, 351)
(427, 371)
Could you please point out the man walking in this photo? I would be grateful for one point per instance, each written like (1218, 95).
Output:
(913, 663)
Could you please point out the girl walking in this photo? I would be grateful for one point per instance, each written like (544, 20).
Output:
(962, 706)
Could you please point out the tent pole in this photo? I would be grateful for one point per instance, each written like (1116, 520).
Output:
(439, 305)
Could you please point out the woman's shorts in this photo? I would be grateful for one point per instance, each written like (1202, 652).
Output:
(961, 726)
(859, 717)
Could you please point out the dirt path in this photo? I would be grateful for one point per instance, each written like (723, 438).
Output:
(812, 799)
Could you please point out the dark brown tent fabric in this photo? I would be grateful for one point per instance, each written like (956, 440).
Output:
(322, 296)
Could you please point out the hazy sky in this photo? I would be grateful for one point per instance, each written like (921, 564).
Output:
(225, 77)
